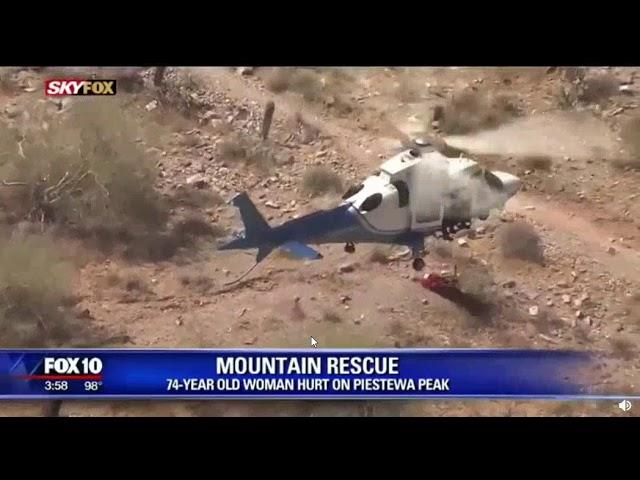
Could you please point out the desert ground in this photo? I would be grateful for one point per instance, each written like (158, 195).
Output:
(111, 210)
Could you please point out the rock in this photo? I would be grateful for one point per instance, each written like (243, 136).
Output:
(611, 251)
(509, 284)
(85, 314)
(425, 301)
(562, 284)
(12, 111)
(198, 181)
(579, 314)
(463, 242)
(529, 207)
(271, 205)
(547, 338)
(345, 298)
(245, 70)
(347, 267)
(587, 321)
(533, 311)
(549, 303)
(566, 299)
(152, 105)
(577, 303)
(251, 341)
(481, 230)
(178, 322)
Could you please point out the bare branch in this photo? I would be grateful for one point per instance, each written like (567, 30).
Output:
(50, 189)
(13, 184)
(20, 150)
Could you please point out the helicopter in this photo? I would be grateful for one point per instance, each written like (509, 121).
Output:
(415, 194)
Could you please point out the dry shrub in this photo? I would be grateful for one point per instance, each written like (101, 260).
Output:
(136, 284)
(200, 283)
(331, 317)
(408, 90)
(308, 84)
(153, 247)
(520, 240)
(623, 348)
(35, 282)
(302, 81)
(337, 82)
(630, 135)
(571, 74)
(279, 80)
(598, 89)
(511, 73)
(112, 279)
(380, 255)
(537, 162)
(83, 169)
(318, 181)
(196, 227)
(158, 246)
(242, 148)
(470, 110)
(7, 81)
(196, 198)
(180, 91)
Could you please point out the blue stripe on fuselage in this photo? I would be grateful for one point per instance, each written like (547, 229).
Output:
(313, 227)
(339, 225)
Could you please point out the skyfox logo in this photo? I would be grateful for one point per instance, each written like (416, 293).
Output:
(63, 87)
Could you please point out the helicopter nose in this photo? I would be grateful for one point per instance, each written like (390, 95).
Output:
(510, 182)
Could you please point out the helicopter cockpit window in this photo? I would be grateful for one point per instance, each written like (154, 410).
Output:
(371, 202)
(352, 191)
(403, 193)
(493, 181)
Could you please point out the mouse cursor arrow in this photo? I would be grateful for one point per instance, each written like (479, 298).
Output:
(314, 342)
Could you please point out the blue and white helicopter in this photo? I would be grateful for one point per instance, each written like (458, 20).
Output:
(415, 194)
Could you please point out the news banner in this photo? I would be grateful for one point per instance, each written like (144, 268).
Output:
(294, 374)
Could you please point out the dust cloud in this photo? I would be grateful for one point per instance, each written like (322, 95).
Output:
(577, 135)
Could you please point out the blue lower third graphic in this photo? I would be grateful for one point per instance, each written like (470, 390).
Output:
(296, 374)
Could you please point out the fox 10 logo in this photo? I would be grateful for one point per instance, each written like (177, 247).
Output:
(72, 366)
(61, 87)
